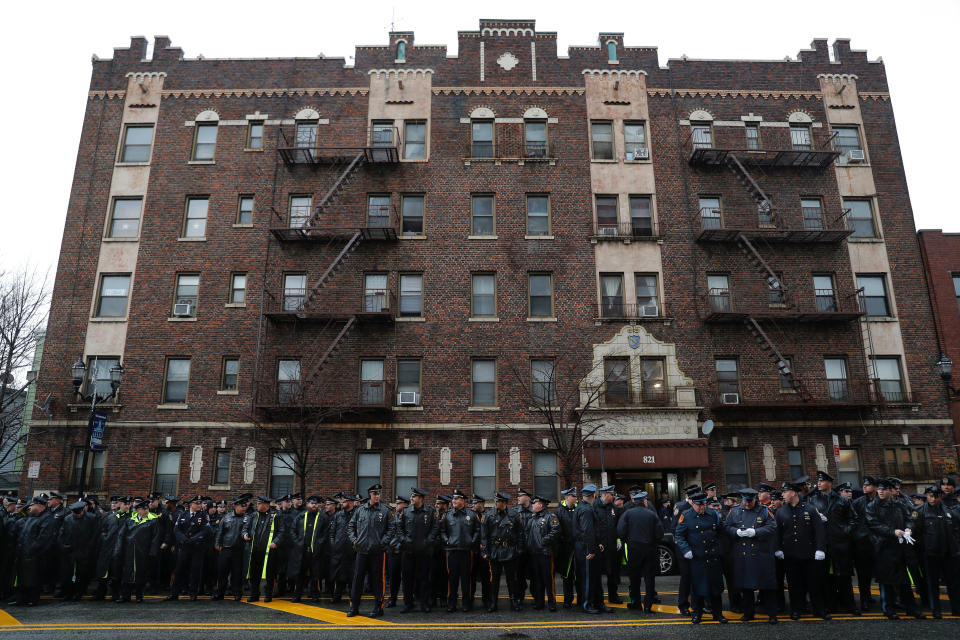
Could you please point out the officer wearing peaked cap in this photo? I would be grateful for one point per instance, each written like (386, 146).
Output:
(229, 544)
(264, 533)
(607, 515)
(754, 533)
(370, 531)
(540, 536)
(697, 537)
(566, 564)
(342, 555)
(641, 530)
(936, 534)
(417, 532)
(840, 520)
(459, 532)
(394, 555)
(889, 523)
(864, 555)
(191, 530)
(110, 551)
(501, 537)
(523, 566)
(439, 573)
(683, 567)
(948, 486)
(78, 536)
(801, 544)
(587, 550)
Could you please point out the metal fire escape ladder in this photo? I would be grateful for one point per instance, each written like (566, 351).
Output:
(331, 350)
(763, 268)
(335, 190)
(352, 244)
(767, 345)
(764, 204)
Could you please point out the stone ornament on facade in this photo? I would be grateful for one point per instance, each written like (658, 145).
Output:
(507, 61)
(249, 464)
(821, 457)
(196, 463)
(514, 465)
(769, 463)
(445, 466)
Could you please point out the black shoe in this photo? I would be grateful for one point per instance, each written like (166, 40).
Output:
(193, 598)
(407, 608)
(268, 598)
(919, 615)
(591, 610)
(467, 608)
(892, 616)
(491, 608)
(856, 611)
(538, 607)
(747, 617)
(707, 610)
(426, 609)
(721, 619)
(352, 613)
(389, 604)
(937, 616)
(377, 613)
(451, 609)
(697, 616)
(552, 608)
(140, 598)
(794, 615)
(253, 599)
(567, 605)
(684, 611)
(217, 596)
(169, 597)
(295, 599)
(826, 616)
(772, 620)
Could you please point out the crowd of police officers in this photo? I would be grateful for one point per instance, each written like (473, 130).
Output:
(751, 544)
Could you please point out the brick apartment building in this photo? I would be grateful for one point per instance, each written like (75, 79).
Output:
(414, 258)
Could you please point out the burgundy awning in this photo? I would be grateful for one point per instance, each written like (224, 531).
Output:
(648, 454)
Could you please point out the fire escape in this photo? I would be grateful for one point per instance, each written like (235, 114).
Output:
(769, 228)
(340, 230)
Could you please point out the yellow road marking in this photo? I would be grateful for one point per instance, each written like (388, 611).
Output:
(7, 620)
(319, 613)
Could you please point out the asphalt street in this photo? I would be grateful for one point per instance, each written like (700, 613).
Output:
(155, 618)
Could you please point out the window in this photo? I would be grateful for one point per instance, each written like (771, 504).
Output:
(415, 140)
(785, 385)
(545, 474)
(885, 372)
(849, 467)
(307, 135)
(196, 222)
(601, 137)
(735, 470)
(484, 474)
(635, 141)
(795, 460)
(282, 466)
(167, 472)
(611, 296)
(98, 375)
(648, 302)
(701, 135)
(907, 462)
(775, 296)
(205, 141)
(484, 383)
(728, 377)
(95, 460)
(838, 388)
(483, 297)
(812, 210)
(368, 471)
(607, 221)
(860, 218)
(114, 291)
(401, 51)
(136, 143)
(255, 135)
(238, 288)
(611, 51)
(381, 133)
(956, 288)
(482, 141)
(371, 382)
(375, 293)
(535, 139)
(641, 220)
(245, 210)
(753, 135)
(294, 291)
(221, 467)
(846, 139)
(185, 300)
(718, 292)
(873, 298)
(300, 211)
(231, 371)
(408, 377)
(543, 383)
(800, 137)
(175, 381)
(538, 215)
(406, 470)
(653, 381)
(412, 224)
(483, 221)
(710, 213)
(411, 295)
(541, 295)
(125, 218)
(378, 211)
(616, 377)
(825, 294)
(288, 381)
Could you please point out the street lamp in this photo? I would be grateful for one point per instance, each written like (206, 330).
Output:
(78, 370)
(945, 366)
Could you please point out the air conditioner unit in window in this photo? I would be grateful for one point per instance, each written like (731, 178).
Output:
(607, 231)
(854, 156)
(649, 311)
(638, 153)
(408, 399)
(183, 309)
(730, 398)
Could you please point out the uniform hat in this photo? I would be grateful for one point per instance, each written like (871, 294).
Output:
(635, 489)
(458, 494)
(40, 499)
(10, 494)
(936, 491)
(607, 489)
(713, 502)
(364, 500)
(802, 480)
(588, 490)
(710, 485)
(869, 480)
(763, 486)
(748, 494)
(948, 480)
(358, 498)
(78, 505)
(524, 492)
(640, 496)
(374, 488)
(171, 499)
(264, 499)
(54, 494)
(918, 496)
(284, 498)
(155, 495)
(418, 492)
(776, 495)
(338, 495)
(297, 496)
(192, 500)
(693, 489)
(619, 496)
(699, 498)
(329, 501)
(572, 491)
(141, 503)
(241, 500)
(545, 501)
(792, 486)
(315, 498)
(477, 499)
(403, 499)
(885, 483)
(844, 486)
(896, 482)
(823, 475)
(503, 496)
(444, 498)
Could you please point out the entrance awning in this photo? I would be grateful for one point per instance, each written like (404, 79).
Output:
(648, 454)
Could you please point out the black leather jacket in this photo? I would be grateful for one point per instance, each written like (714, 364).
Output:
(417, 530)
(565, 516)
(192, 527)
(460, 530)
(371, 529)
(338, 536)
(841, 518)
(541, 533)
(585, 527)
(501, 535)
(230, 531)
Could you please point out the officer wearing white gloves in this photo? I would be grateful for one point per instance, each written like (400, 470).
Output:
(801, 544)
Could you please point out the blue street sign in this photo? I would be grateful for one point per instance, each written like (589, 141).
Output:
(99, 428)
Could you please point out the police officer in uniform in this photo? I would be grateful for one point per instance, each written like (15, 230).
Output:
(264, 533)
(370, 532)
(801, 544)
(683, 567)
(754, 533)
(540, 535)
(889, 522)
(308, 544)
(394, 556)
(697, 537)
(936, 533)
(78, 541)
(191, 531)
(566, 564)
(417, 532)
(480, 570)
(864, 555)
(840, 520)
(948, 487)
(607, 515)
(524, 511)
(35, 542)
(460, 533)
(110, 550)
(230, 549)
(342, 554)
(587, 550)
(141, 544)
(439, 573)
(501, 537)
(640, 529)
(285, 579)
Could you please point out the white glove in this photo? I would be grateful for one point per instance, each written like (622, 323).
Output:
(619, 545)
(741, 532)
(688, 555)
(907, 537)
(900, 540)
(819, 555)
(750, 532)
(778, 555)
(823, 517)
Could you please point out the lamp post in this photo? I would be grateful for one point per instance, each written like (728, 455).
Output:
(79, 372)
(945, 366)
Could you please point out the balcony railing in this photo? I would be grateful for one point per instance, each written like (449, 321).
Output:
(796, 305)
(776, 147)
(615, 309)
(370, 305)
(377, 222)
(337, 400)
(302, 146)
(623, 395)
(636, 229)
(511, 149)
(774, 391)
(813, 225)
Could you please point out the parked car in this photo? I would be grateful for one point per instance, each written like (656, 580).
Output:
(667, 555)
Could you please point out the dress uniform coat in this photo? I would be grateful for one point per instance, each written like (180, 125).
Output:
(541, 534)
(700, 533)
(263, 529)
(141, 544)
(607, 516)
(800, 535)
(588, 569)
(35, 543)
(231, 558)
(523, 566)
(864, 556)
(936, 532)
(884, 517)
(501, 539)
(309, 540)
(754, 565)
(566, 565)
(192, 532)
(417, 533)
(342, 554)
(460, 534)
(78, 543)
(370, 532)
(110, 552)
(641, 530)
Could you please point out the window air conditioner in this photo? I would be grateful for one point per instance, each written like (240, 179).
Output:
(730, 398)
(183, 309)
(854, 156)
(649, 311)
(639, 153)
(408, 398)
(607, 231)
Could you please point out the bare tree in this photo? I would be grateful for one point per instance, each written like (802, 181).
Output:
(24, 297)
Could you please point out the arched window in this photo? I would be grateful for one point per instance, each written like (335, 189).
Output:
(612, 51)
(401, 51)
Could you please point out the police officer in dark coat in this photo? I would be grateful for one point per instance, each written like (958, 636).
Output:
(110, 549)
(541, 533)
(286, 580)
(936, 532)
(264, 532)
(840, 520)
(342, 555)
(459, 532)
(754, 533)
(607, 515)
(889, 522)
(697, 536)
(77, 543)
(35, 542)
(864, 556)
(192, 531)
(500, 539)
(587, 550)
(683, 567)
(439, 574)
(640, 529)
(480, 570)
(417, 532)
(141, 544)
(801, 544)
(394, 555)
(308, 538)
(948, 487)
(230, 545)
(524, 511)
(566, 565)
(370, 532)
(166, 558)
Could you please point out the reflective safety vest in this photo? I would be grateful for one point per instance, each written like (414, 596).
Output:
(266, 554)
(313, 534)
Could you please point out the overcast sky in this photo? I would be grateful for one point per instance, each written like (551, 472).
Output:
(46, 49)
